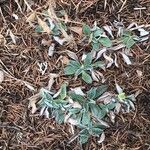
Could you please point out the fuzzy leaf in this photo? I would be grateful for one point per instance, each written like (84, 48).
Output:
(105, 41)
(69, 70)
(100, 90)
(84, 136)
(86, 29)
(91, 93)
(86, 77)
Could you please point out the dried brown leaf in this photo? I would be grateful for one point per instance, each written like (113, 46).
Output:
(31, 18)
(77, 30)
(44, 25)
(1, 76)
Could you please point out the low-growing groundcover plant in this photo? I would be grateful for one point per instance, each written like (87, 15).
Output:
(88, 110)
(85, 69)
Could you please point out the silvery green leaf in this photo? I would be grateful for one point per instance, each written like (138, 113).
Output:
(84, 136)
(88, 59)
(119, 89)
(86, 77)
(126, 58)
(51, 49)
(86, 29)
(109, 30)
(102, 138)
(78, 91)
(144, 38)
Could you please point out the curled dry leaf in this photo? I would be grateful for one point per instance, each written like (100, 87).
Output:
(115, 61)
(46, 42)
(102, 138)
(44, 25)
(112, 116)
(32, 105)
(31, 17)
(51, 50)
(72, 121)
(65, 60)
(77, 30)
(100, 53)
(52, 77)
(118, 88)
(59, 40)
(1, 76)
(95, 76)
(105, 98)
(72, 55)
(109, 59)
(126, 59)
(13, 37)
(29, 86)
(117, 107)
(109, 30)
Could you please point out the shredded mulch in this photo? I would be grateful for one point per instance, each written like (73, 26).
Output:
(21, 130)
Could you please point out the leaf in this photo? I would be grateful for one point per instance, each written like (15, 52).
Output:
(109, 59)
(121, 96)
(39, 29)
(59, 116)
(59, 40)
(86, 29)
(31, 18)
(1, 76)
(98, 64)
(126, 59)
(29, 86)
(44, 26)
(100, 53)
(95, 46)
(88, 59)
(86, 118)
(111, 105)
(128, 39)
(69, 70)
(86, 77)
(78, 91)
(97, 33)
(72, 55)
(100, 90)
(84, 136)
(76, 97)
(102, 138)
(143, 32)
(91, 93)
(77, 30)
(105, 41)
(118, 88)
(32, 105)
(63, 92)
(96, 131)
(51, 49)
(13, 37)
(109, 30)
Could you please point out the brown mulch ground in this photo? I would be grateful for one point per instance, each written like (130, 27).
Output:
(19, 129)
